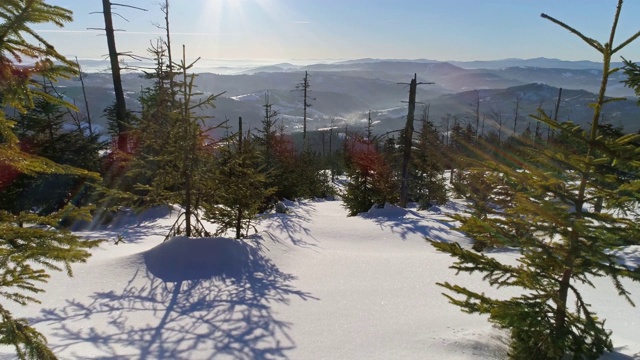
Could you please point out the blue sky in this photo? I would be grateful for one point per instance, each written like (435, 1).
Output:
(299, 30)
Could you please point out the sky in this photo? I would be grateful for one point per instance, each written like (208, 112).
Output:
(301, 31)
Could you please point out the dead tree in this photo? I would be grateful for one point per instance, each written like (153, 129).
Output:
(86, 102)
(408, 141)
(496, 115)
(333, 172)
(516, 116)
(268, 125)
(304, 88)
(121, 106)
(114, 55)
(164, 7)
(476, 106)
(550, 132)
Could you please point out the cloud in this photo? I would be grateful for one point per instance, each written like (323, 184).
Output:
(299, 22)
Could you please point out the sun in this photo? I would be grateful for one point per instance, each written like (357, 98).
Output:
(248, 29)
(231, 20)
(219, 13)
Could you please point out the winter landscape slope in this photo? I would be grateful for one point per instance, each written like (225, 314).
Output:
(311, 284)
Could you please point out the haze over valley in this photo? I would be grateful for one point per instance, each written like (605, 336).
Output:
(344, 92)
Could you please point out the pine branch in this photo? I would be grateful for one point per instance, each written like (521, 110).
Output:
(593, 43)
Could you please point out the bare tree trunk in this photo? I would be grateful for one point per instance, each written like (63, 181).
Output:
(333, 176)
(86, 102)
(408, 136)
(555, 113)
(305, 88)
(516, 116)
(187, 128)
(477, 113)
(121, 107)
(369, 126)
(239, 212)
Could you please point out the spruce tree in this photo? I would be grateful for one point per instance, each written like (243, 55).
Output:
(562, 243)
(427, 181)
(31, 245)
(158, 119)
(40, 132)
(632, 71)
(371, 180)
(175, 152)
(239, 171)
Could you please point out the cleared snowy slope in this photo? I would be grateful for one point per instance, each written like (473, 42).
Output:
(312, 284)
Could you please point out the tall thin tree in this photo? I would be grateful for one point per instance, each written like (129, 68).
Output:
(304, 87)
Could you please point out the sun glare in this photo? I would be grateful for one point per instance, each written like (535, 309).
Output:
(241, 26)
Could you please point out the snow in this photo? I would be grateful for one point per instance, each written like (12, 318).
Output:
(629, 256)
(311, 284)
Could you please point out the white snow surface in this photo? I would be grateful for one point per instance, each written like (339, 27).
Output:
(311, 284)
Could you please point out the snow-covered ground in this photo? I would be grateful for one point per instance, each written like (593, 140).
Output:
(312, 284)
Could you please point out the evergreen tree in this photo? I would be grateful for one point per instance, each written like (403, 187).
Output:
(561, 242)
(267, 134)
(295, 175)
(428, 183)
(238, 171)
(158, 119)
(29, 251)
(371, 180)
(455, 149)
(40, 132)
(632, 72)
(176, 164)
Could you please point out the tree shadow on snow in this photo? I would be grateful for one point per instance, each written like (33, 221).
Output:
(290, 227)
(617, 355)
(405, 222)
(483, 346)
(189, 298)
(496, 346)
(131, 227)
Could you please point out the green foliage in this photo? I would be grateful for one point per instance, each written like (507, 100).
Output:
(239, 171)
(427, 185)
(371, 180)
(295, 175)
(31, 245)
(130, 121)
(40, 132)
(16, 83)
(311, 179)
(17, 332)
(547, 212)
(173, 152)
(632, 72)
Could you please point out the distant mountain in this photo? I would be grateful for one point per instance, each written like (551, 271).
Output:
(540, 62)
(459, 76)
(345, 91)
(587, 79)
(282, 67)
(496, 104)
